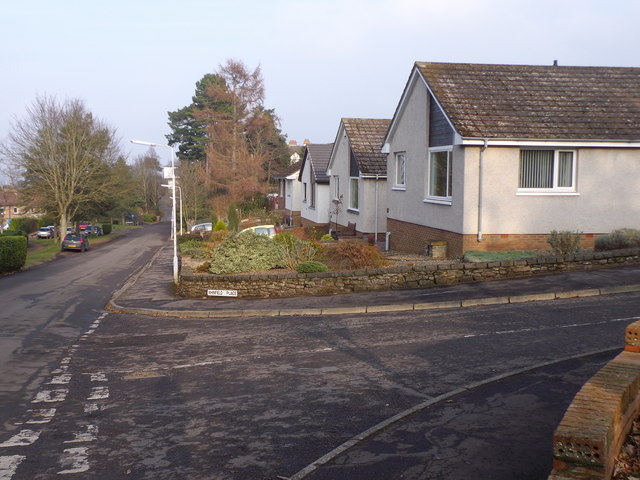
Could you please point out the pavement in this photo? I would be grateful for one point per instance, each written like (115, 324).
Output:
(149, 291)
(500, 428)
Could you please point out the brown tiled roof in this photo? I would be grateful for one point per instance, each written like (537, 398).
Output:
(538, 102)
(290, 170)
(8, 199)
(366, 136)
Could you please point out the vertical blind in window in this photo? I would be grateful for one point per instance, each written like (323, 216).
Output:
(536, 169)
(565, 169)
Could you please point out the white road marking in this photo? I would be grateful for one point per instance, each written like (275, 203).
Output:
(62, 379)
(9, 465)
(61, 369)
(74, 460)
(22, 438)
(65, 361)
(98, 393)
(90, 435)
(49, 396)
(98, 377)
(551, 327)
(90, 408)
(41, 415)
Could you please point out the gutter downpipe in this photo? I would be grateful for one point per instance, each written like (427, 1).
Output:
(480, 192)
(377, 213)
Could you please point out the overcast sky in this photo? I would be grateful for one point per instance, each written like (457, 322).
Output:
(131, 61)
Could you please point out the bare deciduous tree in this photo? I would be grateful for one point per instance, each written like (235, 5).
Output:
(63, 156)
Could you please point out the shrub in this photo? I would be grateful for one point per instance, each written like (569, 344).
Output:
(26, 224)
(203, 267)
(327, 237)
(106, 228)
(349, 254)
(13, 253)
(301, 251)
(313, 232)
(14, 233)
(564, 242)
(149, 218)
(286, 239)
(311, 266)
(232, 217)
(188, 237)
(246, 253)
(220, 225)
(618, 239)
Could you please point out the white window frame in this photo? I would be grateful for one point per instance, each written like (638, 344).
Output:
(304, 192)
(352, 196)
(400, 178)
(442, 200)
(336, 187)
(555, 189)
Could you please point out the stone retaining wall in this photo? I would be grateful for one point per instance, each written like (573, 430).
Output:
(288, 284)
(595, 425)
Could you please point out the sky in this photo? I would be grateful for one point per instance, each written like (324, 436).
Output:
(132, 61)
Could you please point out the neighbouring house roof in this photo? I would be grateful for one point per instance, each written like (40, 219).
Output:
(8, 199)
(366, 136)
(288, 171)
(537, 102)
(317, 154)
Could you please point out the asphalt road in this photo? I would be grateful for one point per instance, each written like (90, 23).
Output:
(263, 398)
(45, 309)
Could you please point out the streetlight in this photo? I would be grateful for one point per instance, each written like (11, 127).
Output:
(173, 209)
(180, 192)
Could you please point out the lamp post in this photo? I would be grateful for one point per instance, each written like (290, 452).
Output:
(173, 209)
(180, 192)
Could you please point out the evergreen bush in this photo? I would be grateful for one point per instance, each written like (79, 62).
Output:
(13, 252)
(220, 225)
(311, 266)
(106, 228)
(618, 239)
(246, 253)
(564, 242)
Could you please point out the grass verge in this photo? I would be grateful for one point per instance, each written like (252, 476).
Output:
(477, 256)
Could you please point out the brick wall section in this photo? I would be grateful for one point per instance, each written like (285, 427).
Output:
(288, 284)
(410, 237)
(595, 425)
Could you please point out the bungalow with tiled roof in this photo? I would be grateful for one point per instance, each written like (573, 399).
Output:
(9, 206)
(494, 157)
(289, 189)
(358, 176)
(314, 207)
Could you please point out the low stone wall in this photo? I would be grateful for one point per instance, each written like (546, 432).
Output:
(288, 284)
(595, 426)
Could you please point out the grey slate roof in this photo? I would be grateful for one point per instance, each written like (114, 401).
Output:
(318, 154)
(366, 136)
(538, 102)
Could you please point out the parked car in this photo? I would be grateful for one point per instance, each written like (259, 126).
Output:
(82, 226)
(268, 230)
(74, 241)
(46, 232)
(202, 228)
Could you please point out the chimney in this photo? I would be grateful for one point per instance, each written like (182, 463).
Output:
(293, 143)
(306, 141)
(555, 63)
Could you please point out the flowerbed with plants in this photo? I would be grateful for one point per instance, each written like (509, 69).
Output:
(224, 252)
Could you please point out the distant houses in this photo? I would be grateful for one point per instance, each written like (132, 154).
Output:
(483, 157)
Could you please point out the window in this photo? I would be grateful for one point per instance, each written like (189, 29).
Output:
(439, 185)
(399, 170)
(304, 192)
(312, 204)
(546, 171)
(353, 193)
(336, 187)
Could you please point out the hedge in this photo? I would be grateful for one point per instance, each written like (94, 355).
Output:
(13, 253)
(106, 228)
